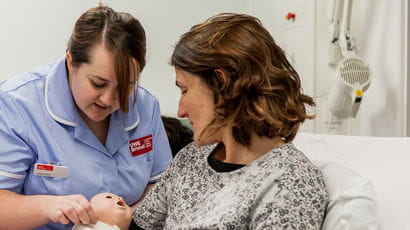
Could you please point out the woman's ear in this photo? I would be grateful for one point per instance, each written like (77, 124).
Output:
(222, 75)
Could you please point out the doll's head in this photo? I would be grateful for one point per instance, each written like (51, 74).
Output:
(111, 209)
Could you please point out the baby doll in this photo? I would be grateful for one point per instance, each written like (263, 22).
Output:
(112, 212)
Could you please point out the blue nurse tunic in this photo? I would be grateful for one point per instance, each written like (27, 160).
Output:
(39, 124)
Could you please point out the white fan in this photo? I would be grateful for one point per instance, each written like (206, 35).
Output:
(352, 80)
(353, 75)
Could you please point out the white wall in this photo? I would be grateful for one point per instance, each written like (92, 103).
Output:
(36, 32)
(297, 37)
(33, 33)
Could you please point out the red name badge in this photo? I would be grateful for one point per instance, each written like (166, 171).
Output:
(141, 145)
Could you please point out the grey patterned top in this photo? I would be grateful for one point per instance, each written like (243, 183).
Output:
(280, 190)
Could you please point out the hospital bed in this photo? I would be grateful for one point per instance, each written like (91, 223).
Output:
(367, 178)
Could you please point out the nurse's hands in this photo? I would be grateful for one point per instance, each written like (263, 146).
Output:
(72, 208)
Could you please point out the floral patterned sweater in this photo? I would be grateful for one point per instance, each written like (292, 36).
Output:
(280, 190)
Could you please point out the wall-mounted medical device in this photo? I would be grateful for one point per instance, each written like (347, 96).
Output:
(353, 75)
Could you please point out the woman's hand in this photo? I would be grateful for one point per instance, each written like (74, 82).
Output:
(72, 208)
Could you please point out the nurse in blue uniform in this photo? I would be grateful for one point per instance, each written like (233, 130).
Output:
(80, 126)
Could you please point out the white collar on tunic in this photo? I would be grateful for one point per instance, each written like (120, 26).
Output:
(60, 104)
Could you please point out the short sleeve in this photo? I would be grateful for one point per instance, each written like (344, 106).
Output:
(16, 156)
(162, 151)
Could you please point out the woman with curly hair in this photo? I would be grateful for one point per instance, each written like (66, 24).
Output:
(245, 103)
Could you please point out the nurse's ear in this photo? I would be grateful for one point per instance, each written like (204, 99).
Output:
(70, 65)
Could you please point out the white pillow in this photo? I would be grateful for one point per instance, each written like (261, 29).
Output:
(352, 199)
(382, 160)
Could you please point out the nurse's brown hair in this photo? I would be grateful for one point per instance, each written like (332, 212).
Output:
(120, 33)
(262, 92)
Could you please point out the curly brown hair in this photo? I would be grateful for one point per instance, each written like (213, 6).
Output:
(262, 92)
